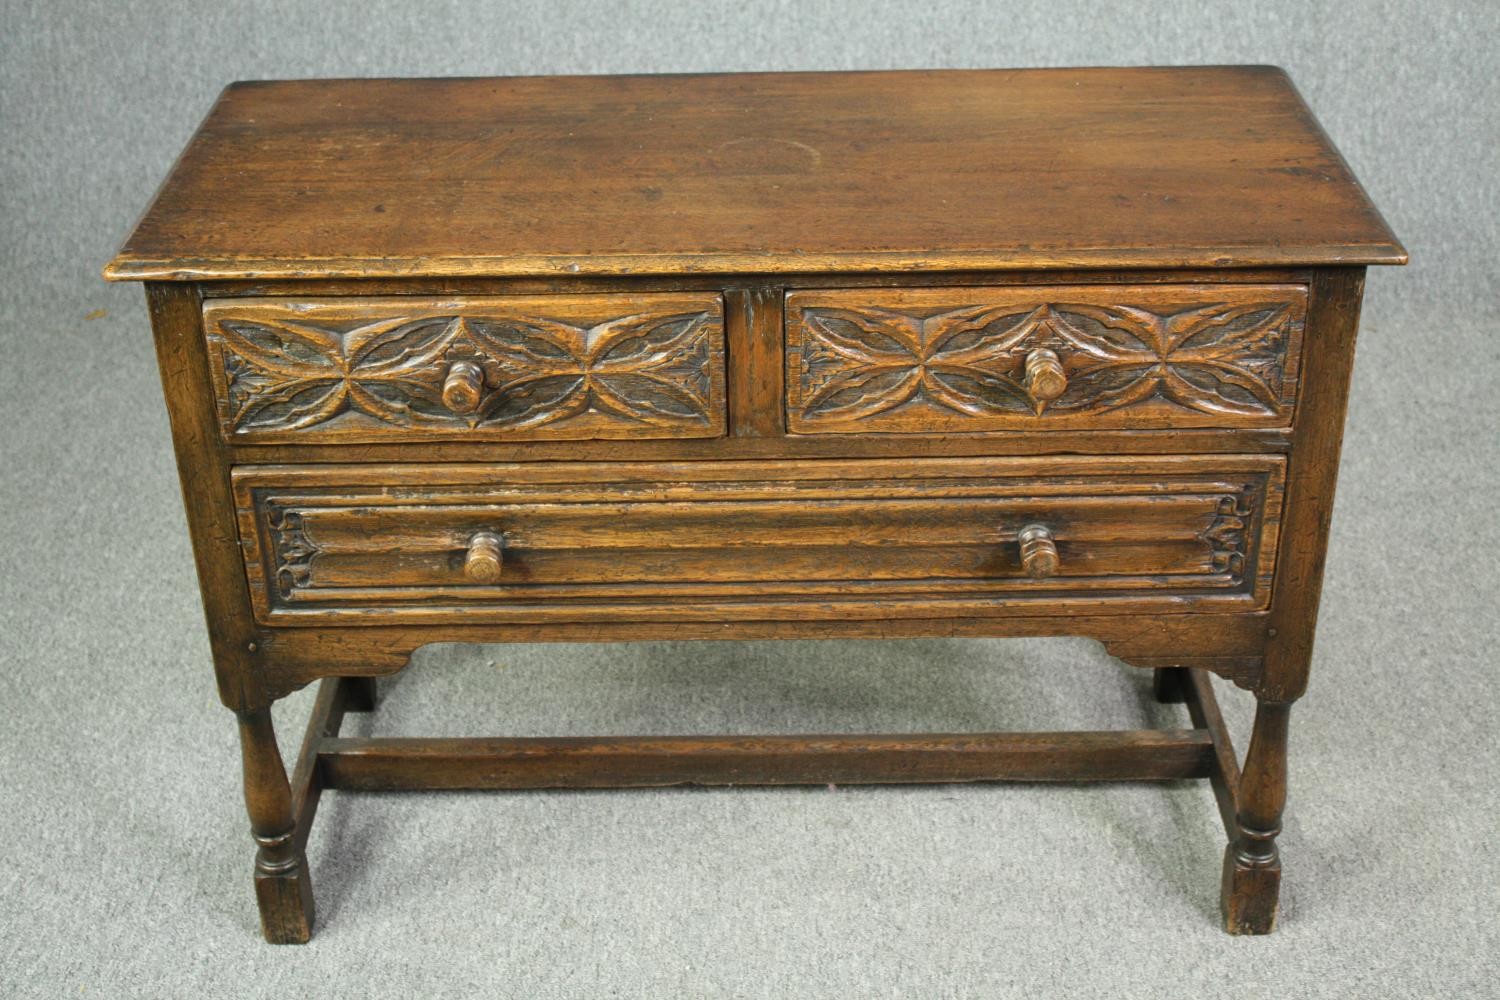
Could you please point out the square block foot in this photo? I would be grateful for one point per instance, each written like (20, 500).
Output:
(1249, 895)
(286, 906)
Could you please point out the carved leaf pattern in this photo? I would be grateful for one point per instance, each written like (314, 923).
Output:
(287, 373)
(1222, 359)
(1226, 533)
(294, 550)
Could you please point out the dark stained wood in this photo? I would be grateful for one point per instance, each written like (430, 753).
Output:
(1203, 708)
(926, 538)
(1067, 356)
(659, 480)
(283, 885)
(336, 696)
(376, 764)
(773, 286)
(1030, 353)
(1312, 475)
(550, 367)
(910, 171)
(758, 380)
(1189, 441)
(203, 469)
(753, 329)
(282, 882)
(1228, 645)
(1252, 864)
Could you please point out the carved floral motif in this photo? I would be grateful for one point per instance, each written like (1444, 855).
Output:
(288, 372)
(1222, 359)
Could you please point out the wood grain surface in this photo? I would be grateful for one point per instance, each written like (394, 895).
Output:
(385, 764)
(757, 173)
(1060, 356)
(870, 355)
(788, 540)
(392, 368)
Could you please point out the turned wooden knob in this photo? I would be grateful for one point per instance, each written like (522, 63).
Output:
(462, 387)
(484, 560)
(1038, 551)
(1045, 378)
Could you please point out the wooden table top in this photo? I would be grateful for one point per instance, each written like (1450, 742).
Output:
(757, 173)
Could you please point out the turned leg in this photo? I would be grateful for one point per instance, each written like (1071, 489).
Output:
(282, 886)
(1169, 684)
(1252, 866)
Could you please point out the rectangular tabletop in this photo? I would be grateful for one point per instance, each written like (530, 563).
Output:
(757, 173)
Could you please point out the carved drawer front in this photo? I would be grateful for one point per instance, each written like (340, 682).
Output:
(753, 540)
(911, 361)
(558, 367)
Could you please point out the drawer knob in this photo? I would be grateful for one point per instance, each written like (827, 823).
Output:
(1045, 378)
(485, 559)
(1038, 551)
(462, 387)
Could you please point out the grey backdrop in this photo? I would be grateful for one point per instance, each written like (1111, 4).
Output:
(126, 856)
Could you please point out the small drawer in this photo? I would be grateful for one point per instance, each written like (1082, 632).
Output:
(936, 538)
(483, 368)
(1066, 357)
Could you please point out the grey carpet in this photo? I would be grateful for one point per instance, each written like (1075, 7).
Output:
(125, 849)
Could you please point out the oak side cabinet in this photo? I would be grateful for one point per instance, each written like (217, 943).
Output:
(979, 353)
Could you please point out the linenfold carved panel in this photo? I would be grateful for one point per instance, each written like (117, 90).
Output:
(553, 367)
(777, 539)
(975, 359)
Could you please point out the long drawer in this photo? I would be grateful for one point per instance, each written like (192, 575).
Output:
(468, 368)
(754, 540)
(1034, 357)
